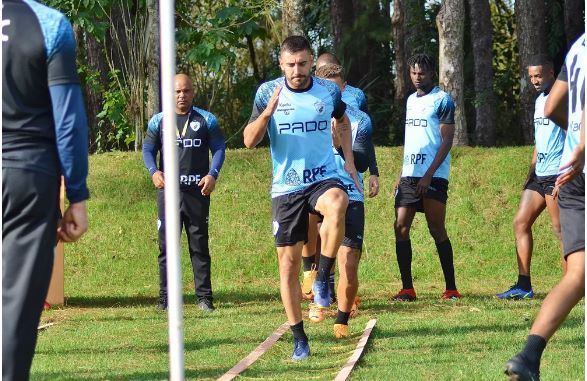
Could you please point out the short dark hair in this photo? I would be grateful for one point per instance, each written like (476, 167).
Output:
(294, 44)
(423, 61)
(327, 58)
(540, 60)
(329, 71)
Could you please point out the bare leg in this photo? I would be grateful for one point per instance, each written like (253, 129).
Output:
(289, 284)
(553, 211)
(310, 247)
(531, 205)
(348, 283)
(332, 205)
(563, 297)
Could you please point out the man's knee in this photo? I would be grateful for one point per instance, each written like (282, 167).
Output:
(521, 224)
(333, 204)
(401, 229)
(438, 232)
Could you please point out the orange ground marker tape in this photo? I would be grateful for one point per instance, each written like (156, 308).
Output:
(352, 361)
(255, 354)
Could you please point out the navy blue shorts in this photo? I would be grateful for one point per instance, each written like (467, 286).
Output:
(406, 196)
(571, 202)
(290, 212)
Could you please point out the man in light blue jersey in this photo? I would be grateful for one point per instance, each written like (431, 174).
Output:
(539, 191)
(353, 97)
(566, 107)
(296, 111)
(423, 183)
(349, 252)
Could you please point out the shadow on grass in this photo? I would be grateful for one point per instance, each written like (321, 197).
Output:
(231, 297)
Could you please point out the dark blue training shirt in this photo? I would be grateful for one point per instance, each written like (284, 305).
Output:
(196, 133)
(44, 126)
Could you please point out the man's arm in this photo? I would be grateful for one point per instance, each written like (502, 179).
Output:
(577, 161)
(71, 133)
(151, 146)
(556, 105)
(255, 130)
(217, 148)
(531, 169)
(342, 128)
(447, 132)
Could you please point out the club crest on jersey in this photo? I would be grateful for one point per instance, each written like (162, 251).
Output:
(320, 106)
(292, 177)
(194, 125)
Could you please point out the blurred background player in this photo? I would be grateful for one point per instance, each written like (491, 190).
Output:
(423, 183)
(349, 252)
(353, 97)
(566, 107)
(539, 191)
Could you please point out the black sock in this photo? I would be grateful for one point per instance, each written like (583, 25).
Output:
(524, 282)
(533, 350)
(309, 262)
(298, 331)
(446, 262)
(342, 317)
(403, 252)
(324, 268)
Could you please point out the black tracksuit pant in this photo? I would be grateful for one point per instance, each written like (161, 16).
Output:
(193, 214)
(30, 202)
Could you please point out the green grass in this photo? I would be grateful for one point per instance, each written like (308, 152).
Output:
(109, 329)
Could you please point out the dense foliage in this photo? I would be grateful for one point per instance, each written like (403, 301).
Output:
(229, 47)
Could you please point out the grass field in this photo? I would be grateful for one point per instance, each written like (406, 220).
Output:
(109, 329)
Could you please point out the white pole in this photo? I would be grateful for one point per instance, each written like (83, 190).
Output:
(171, 171)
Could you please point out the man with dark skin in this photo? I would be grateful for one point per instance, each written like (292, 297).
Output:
(197, 134)
(566, 107)
(423, 183)
(540, 191)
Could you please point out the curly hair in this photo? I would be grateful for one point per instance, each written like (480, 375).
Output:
(423, 60)
(329, 71)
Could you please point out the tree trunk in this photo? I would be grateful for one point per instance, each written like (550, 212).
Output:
(292, 18)
(531, 28)
(481, 38)
(94, 91)
(341, 14)
(574, 23)
(450, 23)
(402, 83)
(153, 78)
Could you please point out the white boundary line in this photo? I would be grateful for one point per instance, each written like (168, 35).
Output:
(45, 326)
(255, 354)
(350, 364)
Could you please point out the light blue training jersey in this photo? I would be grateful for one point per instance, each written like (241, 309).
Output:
(573, 72)
(549, 139)
(424, 114)
(354, 97)
(361, 131)
(300, 132)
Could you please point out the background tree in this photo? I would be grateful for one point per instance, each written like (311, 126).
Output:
(574, 20)
(292, 15)
(153, 48)
(450, 22)
(531, 34)
(482, 42)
